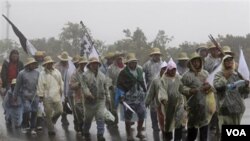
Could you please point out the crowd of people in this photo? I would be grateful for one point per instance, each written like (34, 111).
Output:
(39, 91)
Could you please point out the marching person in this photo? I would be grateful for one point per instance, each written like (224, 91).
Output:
(231, 104)
(75, 85)
(11, 67)
(113, 72)
(152, 96)
(172, 102)
(213, 59)
(182, 61)
(39, 57)
(50, 90)
(109, 61)
(26, 87)
(66, 69)
(202, 51)
(96, 94)
(13, 107)
(152, 69)
(197, 92)
(130, 81)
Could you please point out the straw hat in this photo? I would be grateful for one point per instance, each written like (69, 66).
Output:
(64, 56)
(93, 60)
(119, 54)
(155, 51)
(13, 81)
(211, 45)
(201, 47)
(226, 49)
(75, 59)
(29, 60)
(82, 60)
(131, 57)
(194, 55)
(47, 60)
(182, 56)
(109, 55)
(39, 53)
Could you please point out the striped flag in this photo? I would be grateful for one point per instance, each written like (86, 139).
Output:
(27, 46)
(88, 48)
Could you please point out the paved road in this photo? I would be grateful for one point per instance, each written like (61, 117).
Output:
(70, 135)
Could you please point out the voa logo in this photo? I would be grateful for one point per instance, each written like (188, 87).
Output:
(236, 132)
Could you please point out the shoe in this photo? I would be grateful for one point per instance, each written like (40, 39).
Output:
(140, 136)
(52, 133)
(100, 138)
(33, 132)
(24, 131)
(39, 128)
(86, 136)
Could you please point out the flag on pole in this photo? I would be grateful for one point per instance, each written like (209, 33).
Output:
(243, 68)
(88, 48)
(27, 46)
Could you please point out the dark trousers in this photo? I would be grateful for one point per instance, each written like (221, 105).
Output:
(192, 133)
(177, 135)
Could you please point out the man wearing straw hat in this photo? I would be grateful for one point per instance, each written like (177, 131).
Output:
(75, 85)
(131, 82)
(39, 57)
(50, 90)
(202, 51)
(152, 96)
(213, 60)
(75, 60)
(26, 86)
(66, 68)
(109, 61)
(113, 72)
(197, 91)
(151, 69)
(182, 63)
(96, 94)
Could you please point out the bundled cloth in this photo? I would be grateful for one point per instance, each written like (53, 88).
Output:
(108, 116)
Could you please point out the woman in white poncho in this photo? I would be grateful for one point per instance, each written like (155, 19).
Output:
(172, 102)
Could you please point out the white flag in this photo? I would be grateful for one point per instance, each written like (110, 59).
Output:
(93, 53)
(243, 68)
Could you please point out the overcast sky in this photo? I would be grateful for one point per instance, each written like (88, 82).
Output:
(186, 20)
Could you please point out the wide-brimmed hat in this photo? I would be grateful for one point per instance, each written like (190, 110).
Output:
(131, 57)
(13, 81)
(47, 60)
(76, 59)
(194, 55)
(226, 49)
(155, 51)
(64, 56)
(29, 60)
(93, 60)
(109, 55)
(211, 45)
(201, 47)
(82, 60)
(39, 53)
(119, 54)
(183, 56)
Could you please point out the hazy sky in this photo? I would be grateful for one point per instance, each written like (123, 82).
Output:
(186, 20)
